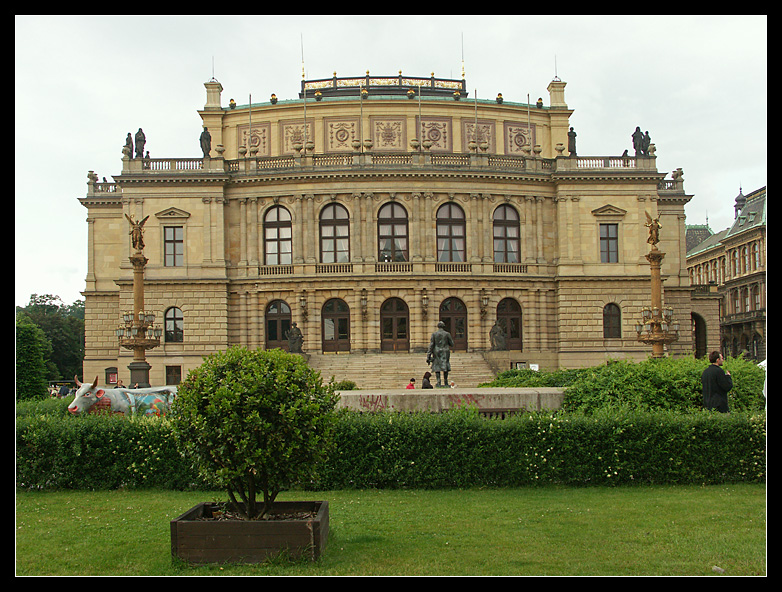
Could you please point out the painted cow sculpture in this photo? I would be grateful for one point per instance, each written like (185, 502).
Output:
(144, 401)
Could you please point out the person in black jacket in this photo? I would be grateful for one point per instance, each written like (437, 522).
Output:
(716, 383)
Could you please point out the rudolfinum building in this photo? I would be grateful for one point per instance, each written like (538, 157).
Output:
(366, 210)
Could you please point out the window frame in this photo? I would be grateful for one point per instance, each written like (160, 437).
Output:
(395, 222)
(276, 226)
(612, 321)
(334, 224)
(449, 223)
(607, 242)
(177, 246)
(503, 224)
(176, 332)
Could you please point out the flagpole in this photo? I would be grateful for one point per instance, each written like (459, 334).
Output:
(304, 88)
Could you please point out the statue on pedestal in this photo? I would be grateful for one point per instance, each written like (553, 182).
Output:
(141, 139)
(497, 337)
(439, 353)
(206, 142)
(295, 339)
(136, 232)
(654, 230)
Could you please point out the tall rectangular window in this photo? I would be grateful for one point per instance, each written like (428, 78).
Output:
(609, 243)
(173, 238)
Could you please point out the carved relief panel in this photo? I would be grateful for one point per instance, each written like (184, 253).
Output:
(485, 134)
(340, 134)
(436, 130)
(260, 139)
(293, 132)
(518, 137)
(388, 134)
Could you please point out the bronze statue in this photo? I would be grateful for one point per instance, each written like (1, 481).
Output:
(136, 232)
(295, 339)
(497, 337)
(439, 353)
(654, 230)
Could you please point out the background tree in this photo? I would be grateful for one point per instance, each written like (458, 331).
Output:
(63, 325)
(32, 349)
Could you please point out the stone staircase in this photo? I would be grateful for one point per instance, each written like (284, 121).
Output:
(394, 370)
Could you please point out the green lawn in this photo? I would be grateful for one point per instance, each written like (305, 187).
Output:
(555, 531)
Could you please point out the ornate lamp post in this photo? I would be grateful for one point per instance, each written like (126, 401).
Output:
(656, 327)
(138, 333)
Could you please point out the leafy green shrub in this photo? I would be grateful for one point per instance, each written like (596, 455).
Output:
(533, 378)
(254, 422)
(660, 384)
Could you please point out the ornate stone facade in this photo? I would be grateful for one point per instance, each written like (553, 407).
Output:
(365, 221)
(728, 272)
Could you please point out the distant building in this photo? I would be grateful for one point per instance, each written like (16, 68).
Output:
(365, 221)
(728, 269)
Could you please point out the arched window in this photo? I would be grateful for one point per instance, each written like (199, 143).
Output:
(175, 325)
(277, 236)
(450, 233)
(506, 235)
(612, 322)
(392, 233)
(334, 234)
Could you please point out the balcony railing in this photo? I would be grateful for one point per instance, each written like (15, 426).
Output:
(369, 160)
(384, 85)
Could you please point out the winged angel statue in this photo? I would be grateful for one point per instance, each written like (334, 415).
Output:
(136, 232)
(654, 230)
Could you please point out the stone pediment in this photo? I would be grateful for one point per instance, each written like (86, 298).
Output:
(172, 214)
(609, 210)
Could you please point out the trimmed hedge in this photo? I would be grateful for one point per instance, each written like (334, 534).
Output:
(422, 450)
(99, 452)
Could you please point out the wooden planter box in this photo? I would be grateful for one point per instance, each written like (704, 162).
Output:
(249, 541)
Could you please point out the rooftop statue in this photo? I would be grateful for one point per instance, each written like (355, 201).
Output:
(206, 142)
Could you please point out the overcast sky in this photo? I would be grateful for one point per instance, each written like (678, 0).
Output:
(697, 83)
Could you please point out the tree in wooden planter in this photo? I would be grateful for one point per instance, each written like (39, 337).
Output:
(255, 423)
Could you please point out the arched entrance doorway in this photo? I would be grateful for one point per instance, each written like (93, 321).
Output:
(453, 313)
(699, 335)
(394, 326)
(509, 318)
(278, 323)
(335, 334)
